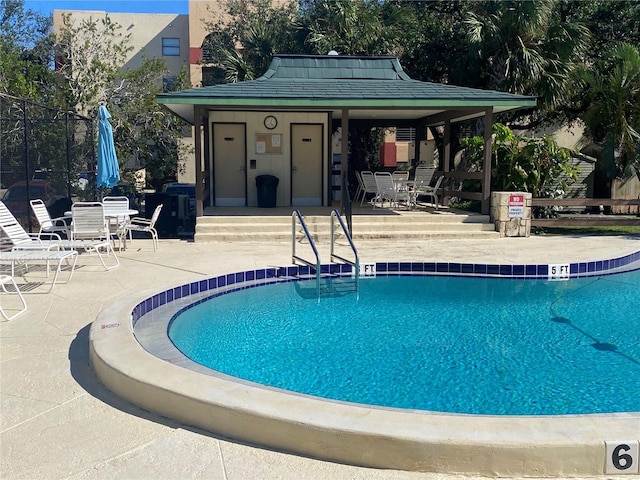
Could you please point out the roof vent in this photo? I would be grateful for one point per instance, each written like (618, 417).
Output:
(332, 52)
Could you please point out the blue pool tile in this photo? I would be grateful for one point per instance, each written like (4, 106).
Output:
(393, 267)
(185, 291)
(467, 268)
(213, 283)
(543, 270)
(518, 270)
(493, 269)
(454, 268)
(405, 267)
(480, 268)
(381, 267)
(506, 270)
(260, 274)
(429, 267)
(442, 267)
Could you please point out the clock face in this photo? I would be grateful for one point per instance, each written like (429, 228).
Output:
(270, 122)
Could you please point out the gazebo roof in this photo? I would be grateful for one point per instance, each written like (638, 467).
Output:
(369, 87)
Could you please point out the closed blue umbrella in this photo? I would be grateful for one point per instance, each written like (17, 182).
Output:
(108, 168)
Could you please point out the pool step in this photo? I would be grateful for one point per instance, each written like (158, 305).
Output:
(407, 226)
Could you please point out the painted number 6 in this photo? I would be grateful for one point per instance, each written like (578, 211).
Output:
(622, 461)
(622, 457)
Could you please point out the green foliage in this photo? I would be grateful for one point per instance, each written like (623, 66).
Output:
(536, 165)
(611, 96)
(145, 133)
(26, 53)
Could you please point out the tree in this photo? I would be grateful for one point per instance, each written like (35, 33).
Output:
(611, 92)
(93, 55)
(353, 27)
(524, 47)
(145, 133)
(243, 49)
(26, 54)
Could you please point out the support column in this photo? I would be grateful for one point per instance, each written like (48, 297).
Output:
(197, 127)
(344, 153)
(486, 164)
(446, 153)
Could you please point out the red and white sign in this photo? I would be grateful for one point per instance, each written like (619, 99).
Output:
(516, 205)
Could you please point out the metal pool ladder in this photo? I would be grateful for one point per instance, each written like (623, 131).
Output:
(336, 284)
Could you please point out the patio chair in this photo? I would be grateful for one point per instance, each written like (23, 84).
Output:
(431, 191)
(369, 185)
(400, 175)
(360, 189)
(114, 209)
(47, 224)
(423, 176)
(140, 224)
(387, 191)
(7, 279)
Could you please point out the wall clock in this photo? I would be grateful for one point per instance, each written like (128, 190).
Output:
(270, 122)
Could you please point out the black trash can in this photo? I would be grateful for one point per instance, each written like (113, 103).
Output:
(267, 190)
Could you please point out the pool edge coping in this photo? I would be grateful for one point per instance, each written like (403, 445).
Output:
(348, 433)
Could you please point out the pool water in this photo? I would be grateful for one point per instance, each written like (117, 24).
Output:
(449, 344)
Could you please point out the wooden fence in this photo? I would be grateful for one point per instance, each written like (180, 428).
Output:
(585, 220)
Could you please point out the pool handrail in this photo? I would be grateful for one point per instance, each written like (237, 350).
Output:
(296, 217)
(356, 262)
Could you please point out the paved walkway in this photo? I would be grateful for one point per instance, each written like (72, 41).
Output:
(57, 421)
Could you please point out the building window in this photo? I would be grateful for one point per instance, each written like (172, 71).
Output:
(171, 47)
(405, 134)
(168, 84)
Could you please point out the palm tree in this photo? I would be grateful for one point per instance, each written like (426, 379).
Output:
(523, 47)
(612, 116)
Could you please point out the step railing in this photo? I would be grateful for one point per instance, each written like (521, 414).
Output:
(297, 220)
(338, 226)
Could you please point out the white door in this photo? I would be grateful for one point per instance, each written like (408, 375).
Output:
(229, 160)
(306, 164)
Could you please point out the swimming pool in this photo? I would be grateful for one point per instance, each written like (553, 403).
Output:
(451, 344)
(133, 357)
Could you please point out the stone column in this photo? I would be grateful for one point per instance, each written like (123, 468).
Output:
(511, 213)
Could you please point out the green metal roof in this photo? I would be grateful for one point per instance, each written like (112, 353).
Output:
(369, 87)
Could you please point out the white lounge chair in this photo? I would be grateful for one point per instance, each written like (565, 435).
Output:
(47, 224)
(360, 189)
(140, 224)
(21, 240)
(24, 258)
(7, 279)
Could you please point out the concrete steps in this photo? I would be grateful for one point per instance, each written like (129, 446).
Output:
(401, 227)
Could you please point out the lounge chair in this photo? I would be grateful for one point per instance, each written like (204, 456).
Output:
(360, 189)
(24, 258)
(7, 279)
(47, 224)
(22, 240)
(140, 224)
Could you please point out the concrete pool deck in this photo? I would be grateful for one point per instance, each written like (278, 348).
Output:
(58, 421)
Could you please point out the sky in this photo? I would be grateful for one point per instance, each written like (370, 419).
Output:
(112, 6)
